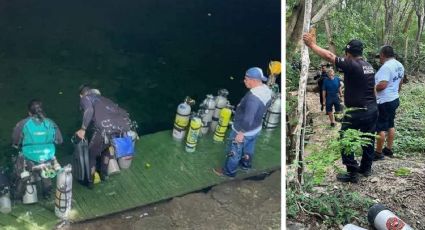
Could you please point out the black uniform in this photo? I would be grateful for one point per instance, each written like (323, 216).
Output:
(359, 79)
(108, 120)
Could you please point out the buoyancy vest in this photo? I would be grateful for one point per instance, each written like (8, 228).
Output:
(38, 140)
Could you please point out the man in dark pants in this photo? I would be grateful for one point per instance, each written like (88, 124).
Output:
(320, 77)
(359, 97)
(108, 120)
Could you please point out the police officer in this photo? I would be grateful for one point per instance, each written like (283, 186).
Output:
(359, 98)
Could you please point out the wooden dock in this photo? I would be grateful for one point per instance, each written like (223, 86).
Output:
(172, 172)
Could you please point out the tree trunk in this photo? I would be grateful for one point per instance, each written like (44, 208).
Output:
(323, 11)
(296, 167)
(420, 13)
(328, 29)
(295, 26)
(390, 6)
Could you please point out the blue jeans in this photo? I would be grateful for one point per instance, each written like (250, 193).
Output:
(238, 154)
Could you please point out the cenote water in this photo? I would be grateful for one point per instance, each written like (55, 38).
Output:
(146, 55)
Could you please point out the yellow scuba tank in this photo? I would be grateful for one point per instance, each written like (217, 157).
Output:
(182, 118)
(223, 123)
(193, 134)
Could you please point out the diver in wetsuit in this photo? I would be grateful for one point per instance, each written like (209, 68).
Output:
(107, 120)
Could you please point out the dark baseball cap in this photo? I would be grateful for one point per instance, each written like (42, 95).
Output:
(354, 47)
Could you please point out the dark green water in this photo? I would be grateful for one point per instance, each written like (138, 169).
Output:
(146, 55)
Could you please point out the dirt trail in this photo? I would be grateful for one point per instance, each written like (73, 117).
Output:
(403, 194)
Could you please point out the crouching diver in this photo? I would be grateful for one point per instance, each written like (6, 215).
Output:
(35, 138)
(107, 120)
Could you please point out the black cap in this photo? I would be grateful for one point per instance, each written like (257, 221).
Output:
(354, 47)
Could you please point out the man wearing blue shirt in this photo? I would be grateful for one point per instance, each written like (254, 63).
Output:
(332, 91)
(388, 82)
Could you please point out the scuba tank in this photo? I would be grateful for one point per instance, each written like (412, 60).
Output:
(182, 118)
(30, 195)
(352, 227)
(272, 117)
(220, 102)
(382, 218)
(274, 70)
(113, 167)
(193, 134)
(63, 195)
(223, 123)
(208, 107)
(5, 204)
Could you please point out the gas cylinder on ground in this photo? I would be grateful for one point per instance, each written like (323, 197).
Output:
(113, 167)
(272, 117)
(63, 196)
(30, 195)
(193, 134)
(383, 219)
(5, 203)
(352, 227)
(208, 108)
(223, 123)
(182, 118)
(220, 102)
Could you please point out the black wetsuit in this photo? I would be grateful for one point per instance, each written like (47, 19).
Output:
(359, 79)
(107, 119)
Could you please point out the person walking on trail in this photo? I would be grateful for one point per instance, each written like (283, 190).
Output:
(107, 120)
(331, 92)
(247, 123)
(360, 100)
(35, 137)
(320, 77)
(388, 82)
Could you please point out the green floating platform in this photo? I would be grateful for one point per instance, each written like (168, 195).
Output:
(172, 172)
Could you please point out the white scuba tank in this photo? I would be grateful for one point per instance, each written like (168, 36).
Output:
(113, 167)
(208, 108)
(352, 227)
(382, 218)
(63, 195)
(272, 117)
(5, 203)
(30, 195)
(220, 102)
(182, 118)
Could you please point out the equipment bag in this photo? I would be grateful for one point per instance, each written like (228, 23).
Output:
(124, 146)
(81, 168)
